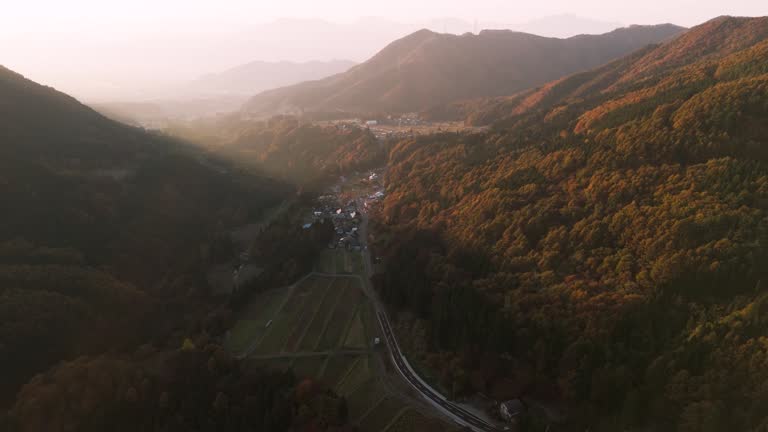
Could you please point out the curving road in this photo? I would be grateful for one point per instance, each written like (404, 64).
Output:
(458, 414)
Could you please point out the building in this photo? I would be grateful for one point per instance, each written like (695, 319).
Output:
(512, 409)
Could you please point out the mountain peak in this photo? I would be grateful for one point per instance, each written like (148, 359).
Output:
(426, 68)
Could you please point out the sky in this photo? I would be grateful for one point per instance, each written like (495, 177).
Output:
(111, 48)
(123, 16)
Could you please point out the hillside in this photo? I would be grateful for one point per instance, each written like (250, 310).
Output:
(301, 153)
(687, 60)
(426, 69)
(605, 242)
(106, 234)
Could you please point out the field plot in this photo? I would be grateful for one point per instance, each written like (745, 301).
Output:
(364, 398)
(256, 316)
(273, 364)
(412, 420)
(370, 322)
(308, 366)
(337, 368)
(327, 262)
(339, 261)
(382, 415)
(355, 337)
(324, 312)
(359, 374)
(307, 312)
(282, 325)
(342, 265)
(323, 328)
(356, 261)
(342, 316)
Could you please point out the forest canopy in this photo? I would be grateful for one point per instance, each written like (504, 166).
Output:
(611, 231)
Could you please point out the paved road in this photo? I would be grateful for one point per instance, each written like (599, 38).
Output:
(440, 402)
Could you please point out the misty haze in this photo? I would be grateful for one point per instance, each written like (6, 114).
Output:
(384, 216)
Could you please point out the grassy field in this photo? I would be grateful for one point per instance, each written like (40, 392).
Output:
(342, 316)
(327, 261)
(324, 312)
(337, 368)
(283, 323)
(364, 398)
(357, 375)
(382, 415)
(370, 322)
(308, 366)
(412, 420)
(256, 316)
(308, 311)
(340, 261)
(356, 336)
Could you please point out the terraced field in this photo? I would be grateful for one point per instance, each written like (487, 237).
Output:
(256, 316)
(384, 413)
(323, 327)
(339, 261)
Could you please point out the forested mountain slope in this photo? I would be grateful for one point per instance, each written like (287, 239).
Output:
(299, 152)
(105, 236)
(610, 234)
(426, 69)
(677, 67)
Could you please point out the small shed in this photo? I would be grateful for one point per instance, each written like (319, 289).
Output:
(510, 409)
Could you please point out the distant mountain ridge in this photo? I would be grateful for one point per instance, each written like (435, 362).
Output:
(426, 69)
(257, 76)
(698, 50)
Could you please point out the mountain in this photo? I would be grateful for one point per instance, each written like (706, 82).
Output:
(217, 94)
(602, 247)
(302, 153)
(563, 26)
(640, 76)
(426, 69)
(106, 232)
(258, 76)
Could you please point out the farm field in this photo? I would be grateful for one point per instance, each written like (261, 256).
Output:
(323, 327)
(382, 414)
(339, 261)
(412, 420)
(364, 398)
(284, 321)
(256, 316)
(336, 368)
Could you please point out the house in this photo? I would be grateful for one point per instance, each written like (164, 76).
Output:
(511, 409)
(371, 123)
(307, 226)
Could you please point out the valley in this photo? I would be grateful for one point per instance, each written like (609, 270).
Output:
(485, 232)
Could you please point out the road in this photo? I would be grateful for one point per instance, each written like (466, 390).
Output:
(458, 414)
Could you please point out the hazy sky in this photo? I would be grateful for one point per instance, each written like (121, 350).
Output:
(93, 48)
(124, 16)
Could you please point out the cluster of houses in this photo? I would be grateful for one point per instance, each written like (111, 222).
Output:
(345, 218)
(345, 212)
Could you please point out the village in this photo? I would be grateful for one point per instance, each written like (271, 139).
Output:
(401, 127)
(345, 204)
